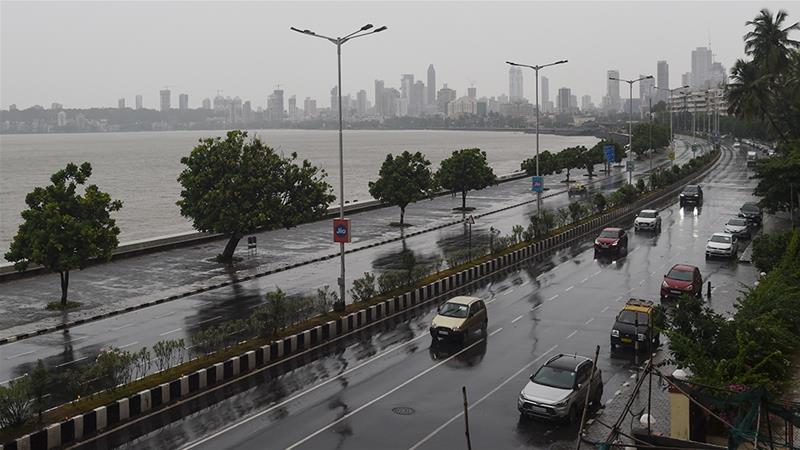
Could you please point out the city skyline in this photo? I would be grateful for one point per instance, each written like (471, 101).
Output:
(195, 65)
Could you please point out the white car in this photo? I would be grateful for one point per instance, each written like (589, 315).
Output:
(647, 219)
(722, 244)
(738, 227)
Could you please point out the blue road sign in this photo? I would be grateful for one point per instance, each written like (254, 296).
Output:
(608, 151)
(537, 184)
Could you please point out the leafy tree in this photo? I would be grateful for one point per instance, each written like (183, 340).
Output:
(40, 380)
(235, 186)
(641, 140)
(571, 158)
(403, 180)
(768, 249)
(15, 402)
(576, 211)
(465, 170)
(548, 164)
(63, 230)
(599, 201)
(778, 178)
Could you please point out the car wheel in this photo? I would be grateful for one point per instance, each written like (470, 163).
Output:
(574, 415)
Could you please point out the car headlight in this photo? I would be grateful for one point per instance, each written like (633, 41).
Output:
(639, 337)
(597, 242)
(665, 284)
(689, 287)
(562, 404)
(683, 195)
(615, 243)
(615, 332)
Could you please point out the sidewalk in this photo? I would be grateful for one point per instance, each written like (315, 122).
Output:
(175, 273)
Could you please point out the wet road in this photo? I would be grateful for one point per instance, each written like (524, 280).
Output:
(389, 387)
(180, 318)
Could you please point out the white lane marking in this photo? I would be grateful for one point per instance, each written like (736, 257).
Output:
(585, 280)
(526, 282)
(257, 305)
(71, 362)
(21, 354)
(300, 394)
(15, 378)
(122, 326)
(652, 273)
(381, 397)
(569, 288)
(490, 301)
(508, 292)
(597, 273)
(552, 298)
(128, 345)
(518, 317)
(496, 331)
(618, 299)
(588, 321)
(605, 309)
(76, 339)
(480, 400)
(170, 331)
(537, 307)
(207, 320)
(572, 334)
(641, 282)
(165, 315)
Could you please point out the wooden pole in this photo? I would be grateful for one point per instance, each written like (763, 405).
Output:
(466, 417)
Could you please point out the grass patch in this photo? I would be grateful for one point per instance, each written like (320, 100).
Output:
(398, 225)
(58, 306)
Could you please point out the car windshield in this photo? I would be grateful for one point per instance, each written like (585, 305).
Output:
(690, 190)
(749, 207)
(737, 222)
(609, 234)
(554, 377)
(628, 316)
(681, 275)
(454, 310)
(647, 214)
(720, 238)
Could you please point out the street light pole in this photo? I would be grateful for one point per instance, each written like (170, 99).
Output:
(630, 112)
(536, 71)
(338, 42)
(669, 106)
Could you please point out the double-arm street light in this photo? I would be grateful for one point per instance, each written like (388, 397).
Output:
(338, 42)
(630, 108)
(536, 69)
(671, 133)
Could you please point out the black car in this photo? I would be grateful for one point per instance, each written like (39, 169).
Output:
(634, 324)
(752, 213)
(692, 195)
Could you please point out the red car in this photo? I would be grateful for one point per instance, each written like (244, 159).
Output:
(611, 240)
(682, 279)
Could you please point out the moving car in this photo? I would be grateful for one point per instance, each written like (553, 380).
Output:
(738, 227)
(692, 195)
(576, 189)
(647, 219)
(722, 244)
(611, 240)
(635, 324)
(751, 212)
(559, 388)
(682, 279)
(752, 157)
(458, 318)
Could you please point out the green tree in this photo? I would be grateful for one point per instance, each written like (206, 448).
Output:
(403, 180)
(63, 230)
(548, 164)
(235, 186)
(571, 158)
(778, 178)
(40, 380)
(642, 138)
(465, 170)
(599, 201)
(768, 249)
(15, 402)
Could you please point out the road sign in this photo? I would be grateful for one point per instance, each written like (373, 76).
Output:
(629, 165)
(608, 151)
(341, 230)
(671, 156)
(537, 184)
(694, 148)
(470, 220)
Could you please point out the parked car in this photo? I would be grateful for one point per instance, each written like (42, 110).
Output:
(611, 240)
(752, 157)
(647, 219)
(559, 388)
(738, 227)
(751, 212)
(692, 195)
(722, 244)
(458, 318)
(576, 189)
(635, 323)
(682, 279)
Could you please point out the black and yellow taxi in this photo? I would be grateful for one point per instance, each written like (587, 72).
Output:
(636, 323)
(459, 318)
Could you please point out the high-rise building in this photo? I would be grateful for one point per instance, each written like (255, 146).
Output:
(206, 104)
(416, 100)
(121, 103)
(138, 102)
(56, 106)
(166, 104)
(183, 102)
(573, 102)
(379, 108)
(472, 92)
(701, 68)
(391, 102)
(718, 75)
(686, 79)
(247, 112)
(612, 91)
(62, 119)
(646, 89)
(406, 82)
(564, 99)
(662, 81)
(515, 89)
(335, 100)
(361, 101)
(275, 105)
(544, 96)
(446, 95)
(310, 107)
(431, 93)
(586, 103)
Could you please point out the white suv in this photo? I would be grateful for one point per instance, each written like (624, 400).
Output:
(647, 219)
(722, 244)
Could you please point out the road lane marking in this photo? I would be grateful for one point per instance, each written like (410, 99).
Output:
(605, 309)
(128, 345)
(641, 282)
(21, 354)
(526, 282)
(652, 273)
(382, 396)
(569, 288)
(537, 307)
(585, 280)
(490, 301)
(165, 315)
(508, 292)
(122, 326)
(518, 317)
(496, 331)
(70, 362)
(588, 321)
(207, 320)
(597, 273)
(480, 400)
(15, 378)
(300, 394)
(76, 339)
(618, 299)
(552, 298)
(572, 334)
(172, 331)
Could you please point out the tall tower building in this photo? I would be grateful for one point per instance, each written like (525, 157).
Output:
(310, 107)
(293, 114)
(472, 92)
(564, 100)
(138, 102)
(335, 100)
(206, 104)
(121, 103)
(431, 98)
(275, 105)
(701, 68)
(361, 102)
(544, 95)
(416, 101)
(662, 80)
(406, 82)
(183, 102)
(612, 91)
(515, 91)
(379, 109)
(165, 100)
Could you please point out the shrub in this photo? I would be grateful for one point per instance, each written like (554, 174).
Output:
(599, 201)
(641, 186)
(15, 402)
(324, 300)
(363, 288)
(168, 353)
(576, 211)
(561, 218)
(768, 249)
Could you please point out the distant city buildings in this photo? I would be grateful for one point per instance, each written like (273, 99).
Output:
(121, 103)
(431, 93)
(164, 95)
(564, 100)
(586, 103)
(446, 95)
(515, 83)
(138, 102)
(62, 119)
(544, 104)
(275, 111)
(662, 80)
(611, 101)
(183, 102)
(309, 107)
(206, 104)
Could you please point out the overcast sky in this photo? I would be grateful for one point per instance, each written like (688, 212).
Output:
(85, 54)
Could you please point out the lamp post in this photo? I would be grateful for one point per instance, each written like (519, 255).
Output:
(338, 42)
(630, 111)
(536, 70)
(671, 133)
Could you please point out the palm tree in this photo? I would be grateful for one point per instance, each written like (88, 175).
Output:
(747, 93)
(768, 43)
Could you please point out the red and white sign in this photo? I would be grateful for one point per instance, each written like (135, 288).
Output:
(341, 230)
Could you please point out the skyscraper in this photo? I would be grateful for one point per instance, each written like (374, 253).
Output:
(515, 90)
(701, 68)
(138, 102)
(165, 100)
(293, 114)
(612, 91)
(564, 100)
(586, 103)
(361, 99)
(431, 100)
(310, 107)
(446, 95)
(121, 103)
(472, 92)
(275, 105)
(335, 100)
(662, 74)
(544, 95)
(183, 102)
(379, 108)
(206, 104)
(406, 82)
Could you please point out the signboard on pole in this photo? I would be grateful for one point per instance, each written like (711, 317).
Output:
(671, 156)
(694, 148)
(629, 165)
(608, 151)
(341, 230)
(470, 220)
(537, 184)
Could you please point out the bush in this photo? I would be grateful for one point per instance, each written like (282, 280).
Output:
(168, 353)
(576, 211)
(15, 402)
(641, 186)
(561, 218)
(599, 201)
(363, 288)
(769, 248)
(390, 280)
(324, 300)
(112, 367)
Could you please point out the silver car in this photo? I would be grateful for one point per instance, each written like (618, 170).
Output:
(647, 219)
(559, 388)
(738, 227)
(722, 244)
